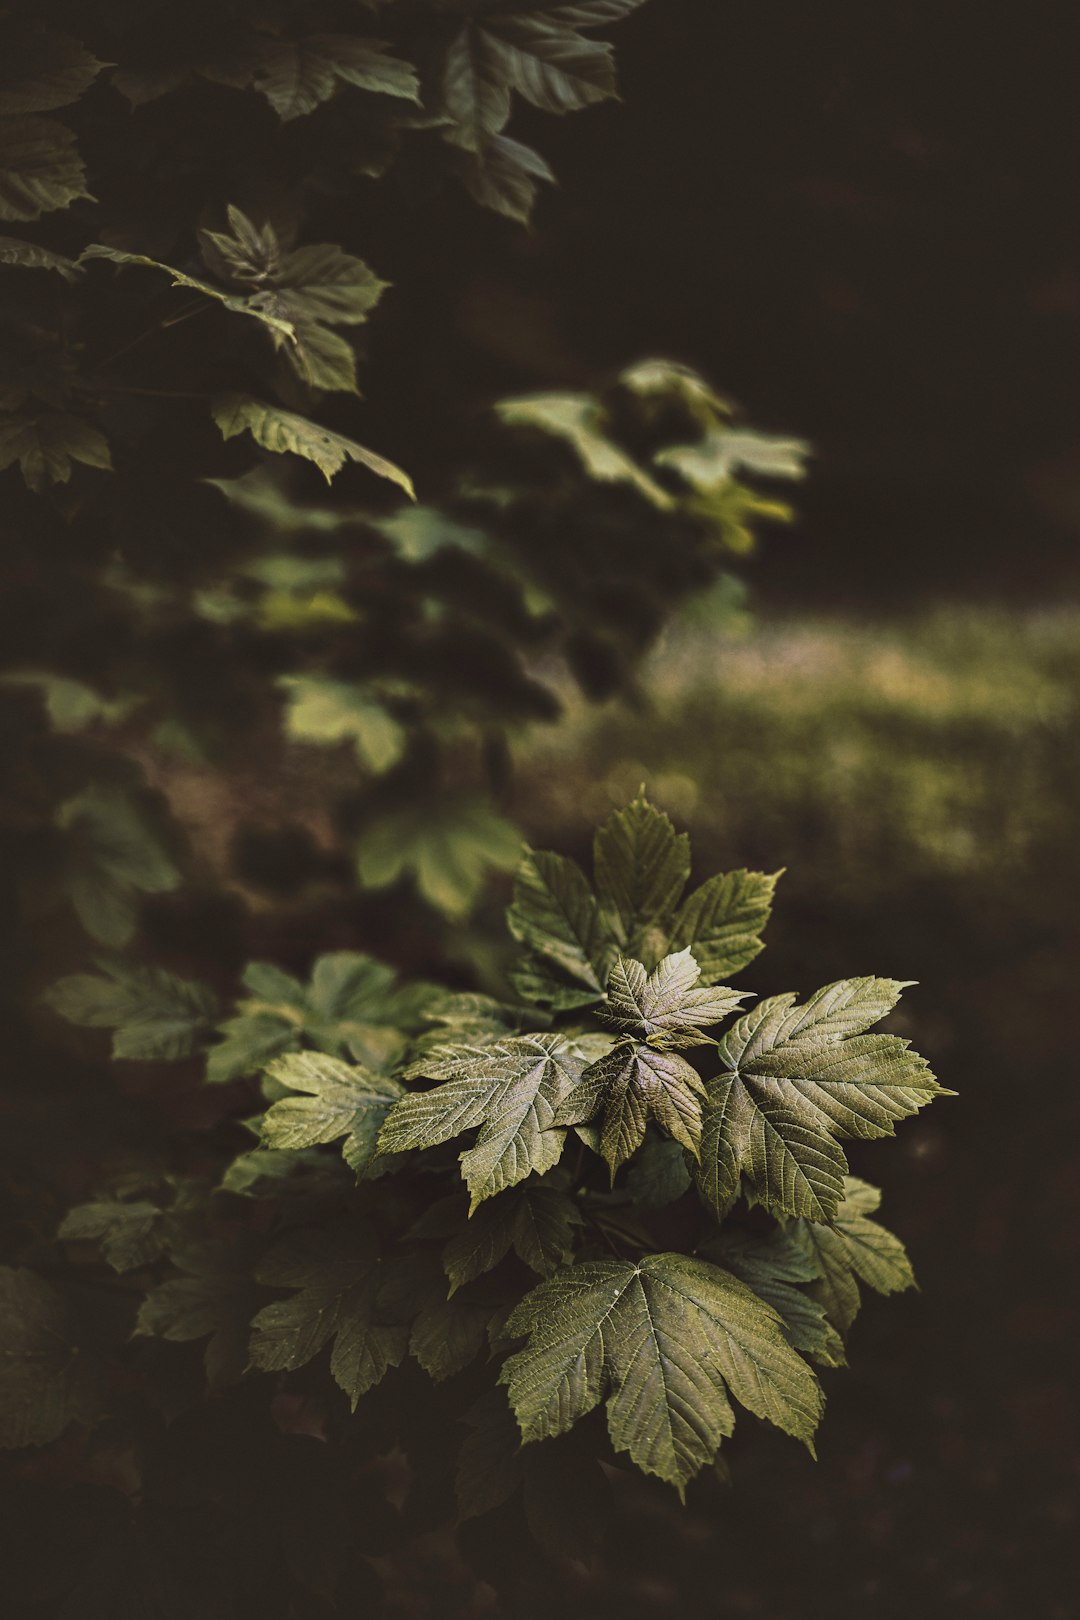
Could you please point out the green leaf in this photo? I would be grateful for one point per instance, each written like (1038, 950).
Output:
(42, 70)
(352, 1007)
(723, 452)
(449, 1334)
(40, 168)
(776, 1268)
(341, 1101)
(296, 76)
(580, 422)
(722, 922)
(504, 175)
(851, 1249)
(448, 846)
(128, 1234)
(31, 256)
(253, 305)
(156, 1016)
(539, 1222)
(212, 1299)
(45, 445)
(112, 858)
(659, 1175)
(539, 55)
(490, 1462)
(338, 1282)
(664, 1007)
(665, 1339)
(795, 1077)
(508, 1090)
(556, 916)
(321, 710)
(46, 1381)
(641, 866)
(285, 433)
(629, 1085)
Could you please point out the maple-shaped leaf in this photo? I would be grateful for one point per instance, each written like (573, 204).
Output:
(339, 1287)
(342, 1100)
(509, 1091)
(722, 922)
(47, 1380)
(298, 75)
(555, 915)
(449, 845)
(777, 1268)
(641, 865)
(666, 1339)
(538, 1221)
(852, 1249)
(628, 1086)
(503, 175)
(664, 1007)
(353, 1007)
(41, 168)
(129, 1232)
(46, 444)
(539, 54)
(212, 1298)
(154, 1014)
(112, 857)
(659, 1174)
(286, 433)
(794, 1077)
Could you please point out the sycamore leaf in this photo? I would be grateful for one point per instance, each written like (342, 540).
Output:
(342, 1101)
(113, 857)
(31, 256)
(338, 1283)
(155, 1015)
(536, 1220)
(792, 1079)
(722, 921)
(283, 432)
(353, 1007)
(447, 846)
(252, 305)
(503, 175)
(641, 866)
(508, 1090)
(46, 1380)
(296, 76)
(324, 283)
(723, 452)
(538, 54)
(490, 1463)
(42, 70)
(321, 710)
(213, 1298)
(129, 1234)
(580, 422)
(659, 1174)
(45, 445)
(448, 1334)
(776, 1268)
(555, 915)
(628, 1086)
(40, 168)
(852, 1249)
(666, 1339)
(663, 1007)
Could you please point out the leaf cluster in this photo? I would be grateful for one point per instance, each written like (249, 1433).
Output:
(623, 1191)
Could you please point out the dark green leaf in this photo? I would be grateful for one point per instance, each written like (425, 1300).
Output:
(665, 1339)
